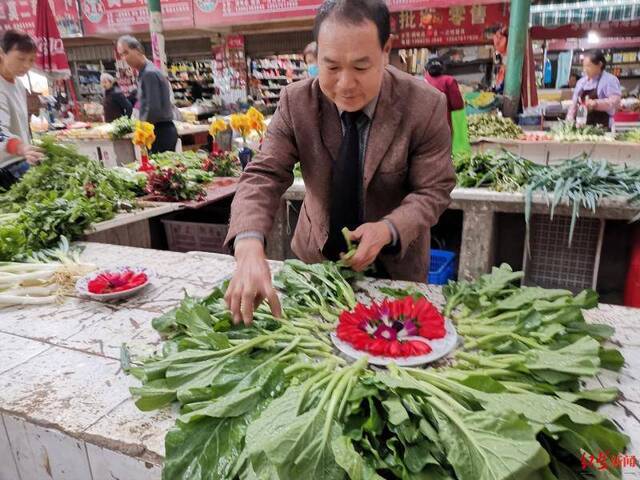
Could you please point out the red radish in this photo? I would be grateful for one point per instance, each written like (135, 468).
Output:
(389, 328)
(114, 282)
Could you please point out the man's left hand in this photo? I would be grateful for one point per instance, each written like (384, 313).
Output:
(371, 238)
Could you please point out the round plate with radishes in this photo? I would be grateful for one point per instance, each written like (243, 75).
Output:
(114, 283)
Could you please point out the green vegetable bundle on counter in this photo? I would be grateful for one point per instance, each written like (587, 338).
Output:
(630, 136)
(583, 182)
(580, 182)
(569, 132)
(501, 171)
(62, 196)
(493, 126)
(121, 127)
(276, 401)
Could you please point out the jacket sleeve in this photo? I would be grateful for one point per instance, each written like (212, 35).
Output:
(8, 141)
(123, 103)
(266, 177)
(454, 96)
(431, 178)
(150, 104)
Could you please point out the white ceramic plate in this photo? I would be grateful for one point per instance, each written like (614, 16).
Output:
(439, 348)
(82, 285)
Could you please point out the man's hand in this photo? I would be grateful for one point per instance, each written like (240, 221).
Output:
(251, 283)
(371, 238)
(33, 155)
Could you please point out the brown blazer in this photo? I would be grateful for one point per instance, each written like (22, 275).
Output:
(408, 173)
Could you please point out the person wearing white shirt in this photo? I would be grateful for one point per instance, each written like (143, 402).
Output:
(17, 55)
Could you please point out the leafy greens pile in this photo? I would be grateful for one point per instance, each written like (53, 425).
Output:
(121, 127)
(582, 182)
(190, 162)
(62, 196)
(570, 132)
(501, 171)
(273, 401)
(492, 126)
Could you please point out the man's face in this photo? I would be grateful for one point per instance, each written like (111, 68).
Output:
(133, 57)
(351, 63)
(18, 63)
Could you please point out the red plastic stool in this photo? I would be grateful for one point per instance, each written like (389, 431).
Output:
(632, 287)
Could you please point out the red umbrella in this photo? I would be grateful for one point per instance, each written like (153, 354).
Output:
(51, 57)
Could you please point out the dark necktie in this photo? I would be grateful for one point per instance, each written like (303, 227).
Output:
(345, 188)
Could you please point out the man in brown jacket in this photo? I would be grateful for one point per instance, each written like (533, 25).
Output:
(374, 148)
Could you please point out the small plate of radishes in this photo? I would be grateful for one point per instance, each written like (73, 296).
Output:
(114, 283)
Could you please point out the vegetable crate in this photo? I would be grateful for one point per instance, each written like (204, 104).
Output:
(194, 236)
(442, 267)
(552, 263)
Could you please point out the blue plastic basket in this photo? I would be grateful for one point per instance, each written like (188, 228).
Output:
(442, 267)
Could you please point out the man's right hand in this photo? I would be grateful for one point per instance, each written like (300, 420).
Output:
(251, 282)
(33, 155)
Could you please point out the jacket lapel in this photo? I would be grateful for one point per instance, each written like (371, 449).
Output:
(386, 120)
(330, 128)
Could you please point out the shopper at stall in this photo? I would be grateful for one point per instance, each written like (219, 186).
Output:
(598, 90)
(457, 117)
(115, 103)
(311, 59)
(154, 94)
(374, 148)
(434, 75)
(17, 55)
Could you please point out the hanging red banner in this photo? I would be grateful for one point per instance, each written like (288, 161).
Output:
(100, 17)
(211, 13)
(456, 25)
(21, 15)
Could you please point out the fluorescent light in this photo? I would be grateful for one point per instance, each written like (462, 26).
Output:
(593, 37)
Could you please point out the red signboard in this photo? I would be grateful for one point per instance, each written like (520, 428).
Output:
(101, 17)
(211, 13)
(456, 25)
(21, 15)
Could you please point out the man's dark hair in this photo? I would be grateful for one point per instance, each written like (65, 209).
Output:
(596, 57)
(15, 40)
(355, 12)
(132, 42)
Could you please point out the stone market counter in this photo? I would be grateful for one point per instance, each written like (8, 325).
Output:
(65, 407)
(552, 151)
(480, 208)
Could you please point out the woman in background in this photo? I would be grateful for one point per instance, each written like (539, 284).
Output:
(310, 54)
(434, 76)
(115, 103)
(598, 90)
(17, 56)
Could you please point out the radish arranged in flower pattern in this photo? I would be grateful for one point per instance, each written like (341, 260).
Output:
(389, 328)
(113, 282)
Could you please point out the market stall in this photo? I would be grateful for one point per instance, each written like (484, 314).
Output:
(481, 209)
(99, 143)
(66, 408)
(547, 150)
